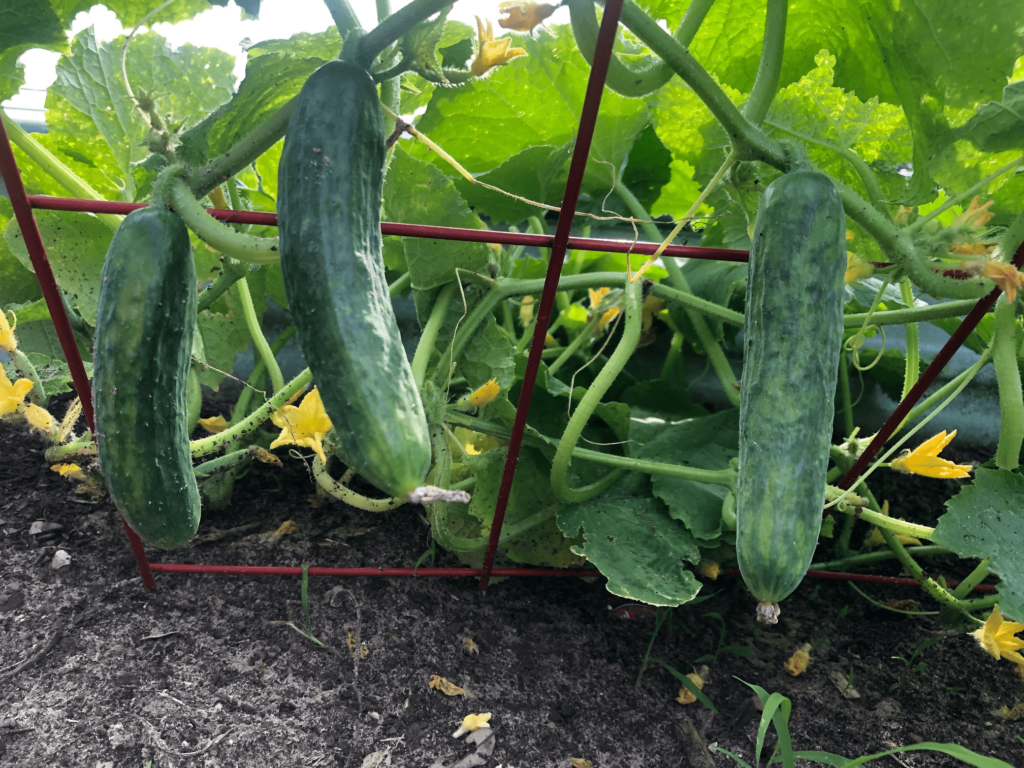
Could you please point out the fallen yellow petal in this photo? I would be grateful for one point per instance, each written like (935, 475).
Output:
(214, 424)
(709, 569)
(685, 696)
(438, 683)
(69, 470)
(797, 663)
(472, 723)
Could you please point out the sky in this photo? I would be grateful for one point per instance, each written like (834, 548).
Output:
(221, 27)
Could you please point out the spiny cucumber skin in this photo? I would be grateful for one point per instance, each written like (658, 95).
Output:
(793, 333)
(330, 186)
(142, 349)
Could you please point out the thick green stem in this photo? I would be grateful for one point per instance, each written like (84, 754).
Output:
(911, 314)
(623, 79)
(844, 387)
(221, 237)
(342, 492)
(24, 366)
(947, 389)
(633, 295)
(241, 408)
(869, 558)
(913, 356)
(227, 461)
(932, 587)
(373, 43)
(756, 144)
(707, 340)
(766, 83)
(950, 202)
(55, 169)
(258, 339)
(345, 18)
(584, 336)
(723, 477)
(673, 359)
(1011, 399)
(224, 166)
(429, 335)
(887, 523)
(215, 443)
(230, 274)
(973, 579)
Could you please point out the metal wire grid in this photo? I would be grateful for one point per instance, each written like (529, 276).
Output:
(558, 243)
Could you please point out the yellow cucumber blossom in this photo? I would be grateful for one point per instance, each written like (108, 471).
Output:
(304, 424)
(1001, 273)
(997, 637)
(485, 394)
(523, 15)
(856, 268)
(492, 53)
(40, 419)
(597, 296)
(652, 306)
(12, 395)
(607, 317)
(7, 341)
(975, 217)
(69, 470)
(924, 460)
(526, 311)
(472, 723)
(214, 424)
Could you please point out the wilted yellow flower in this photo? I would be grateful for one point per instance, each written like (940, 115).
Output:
(597, 296)
(12, 395)
(976, 216)
(492, 53)
(69, 470)
(485, 394)
(652, 306)
(797, 663)
(524, 15)
(876, 539)
(214, 424)
(7, 341)
(924, 460)
(305, 424)
(526, 311)
(287, 527)
(40, 419)
(1003, 274)
(997, 637)
(903, 214)
(550, 341)
(472, 723)
(856, 268)
(607, 317)
(709, 569)
(444, 686)
(973, 249)
(685, 697)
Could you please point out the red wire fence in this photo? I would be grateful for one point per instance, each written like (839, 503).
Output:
(23, 205)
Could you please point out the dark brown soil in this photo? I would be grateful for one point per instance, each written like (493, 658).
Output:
(125, 676)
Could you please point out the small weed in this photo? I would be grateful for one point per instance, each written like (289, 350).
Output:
(431, 553)
(909, 667)
(843, 611)
(306, 631)
(736, 650)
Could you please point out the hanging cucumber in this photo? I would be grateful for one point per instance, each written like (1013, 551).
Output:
(145, 321)
(793, 332)
(330, 186)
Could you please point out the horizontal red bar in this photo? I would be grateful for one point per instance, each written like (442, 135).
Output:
(417, 230)
(871, 579)
(291, 570)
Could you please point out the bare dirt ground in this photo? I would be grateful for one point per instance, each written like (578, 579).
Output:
(97, 670)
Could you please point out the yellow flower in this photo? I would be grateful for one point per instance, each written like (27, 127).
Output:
(652, 306)
(903, 214)
(524, 15)
(973, 249)
(685, 697)
(69, 470)
(492, 53)
(40, 419)
(856, 268)
(976, 216)
(997, 637)
(483, 395)
(924, 460)
(797, 663)
(214, 424)
(526, 311)
(305, 424)
(1001, 273)
(12, 395)
(550, 341)
(607, 317)
(709, 569)
(472, 723)
(849, 235)
(597, 296)
(7, 341)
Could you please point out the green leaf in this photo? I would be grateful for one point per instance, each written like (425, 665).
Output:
(12, 74)
(998, 125)
(986, 520)
(28, 24)
(649, 167)
(660, 399)
(132, 12)
(534, 100)
(720, 282)
(537, 173)
(632, 539)
(488, 355)
(224, 332)
(456, 46)
(54, 373)
(76, 246)
(710, 442)
(87, 105)
(542, 545)
(18, 284)
(416, 192)
(419, 45)
(324, 45)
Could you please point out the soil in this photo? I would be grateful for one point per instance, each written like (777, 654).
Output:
(202, 672)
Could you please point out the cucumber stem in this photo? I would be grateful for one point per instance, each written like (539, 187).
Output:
(954, 384)
(766, 82)
(913, 356)
(973, 579)
(214, 443)
(345, 18)
(258, 339)
(373, 43)
(400, 284)
(24, 366)
(869, 558)
(673, 359)
(230, 274)
(844, 388)
(428, 337)
(241, 408)
(55, 169)
(221, 237)
(585, 336)
(932, 587)
(973, 190)
(633, 295)
(911, 314)
(342, 492)
(1011, 399)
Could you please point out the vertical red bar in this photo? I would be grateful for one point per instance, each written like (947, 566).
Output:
(55, 304)
(588, 119)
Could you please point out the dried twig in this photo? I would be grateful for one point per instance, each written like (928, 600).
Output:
(51, 641)
(162, 745)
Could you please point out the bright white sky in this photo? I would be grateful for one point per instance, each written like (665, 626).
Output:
(222, 27)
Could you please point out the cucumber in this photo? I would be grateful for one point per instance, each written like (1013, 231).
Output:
(793, 333)
(330, 187)
(145, 321)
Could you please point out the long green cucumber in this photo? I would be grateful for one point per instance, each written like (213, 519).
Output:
(793, 331)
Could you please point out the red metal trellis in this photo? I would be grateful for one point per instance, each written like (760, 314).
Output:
(558, 243)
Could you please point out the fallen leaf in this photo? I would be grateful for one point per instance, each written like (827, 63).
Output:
(439, 683)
